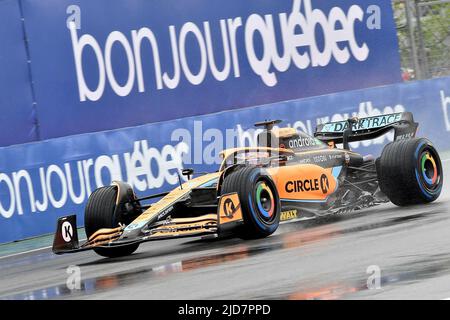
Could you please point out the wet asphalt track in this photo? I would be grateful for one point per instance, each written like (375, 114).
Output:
(323, 259)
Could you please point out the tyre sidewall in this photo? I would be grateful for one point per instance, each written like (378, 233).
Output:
(255, 216)
(101, 213)
(400, 174)
(243, 181)
(428, 194)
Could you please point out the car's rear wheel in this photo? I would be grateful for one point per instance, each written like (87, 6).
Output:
(100, 213)
(410, 172)
(259, 200)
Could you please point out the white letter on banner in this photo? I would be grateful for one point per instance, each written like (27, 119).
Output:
(17, 177)
(138, 36)
(42, 206)
(256, 24)
(359, 52)
(198, 78)
(172, 83)
(7, 213)
(293, 39)
(155, 178)
(233, 26)
(86, 165)
(60, 174)
(183, 135)
(118, 37)
(111, 164)
(219, 75)
(136, 168)
(445, 105)
(340, 35)
(78, 47)
(316, 18)
(76, 199)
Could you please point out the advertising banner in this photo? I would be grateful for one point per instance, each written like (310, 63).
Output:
(17, 113)
(101, 64)
(42, 181)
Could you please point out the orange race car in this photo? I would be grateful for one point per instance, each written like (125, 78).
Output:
(289, 175)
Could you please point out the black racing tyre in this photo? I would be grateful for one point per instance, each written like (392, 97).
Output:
(99, 213)
(410, 172)
(259, 200)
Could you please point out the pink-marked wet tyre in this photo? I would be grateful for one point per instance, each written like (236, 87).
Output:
(259, 200)
(410, 172)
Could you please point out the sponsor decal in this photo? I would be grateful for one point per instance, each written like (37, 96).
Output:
(363, 124)
(296, 186)
(335, 156)
(229, 208)
(67, 231)
(347, 158)
(405, 136)
(308, 185)
(302, 142)
(305, 161)
(288, 215)
(322, 159)
(165, 212)
(366, 109)
(136, 225)
(324, 184)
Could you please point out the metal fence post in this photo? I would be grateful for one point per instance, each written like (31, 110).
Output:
(422, 52)
(412, 41)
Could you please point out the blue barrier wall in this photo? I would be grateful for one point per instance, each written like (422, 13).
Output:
(42, 181)
(126, 63)
(17, 114)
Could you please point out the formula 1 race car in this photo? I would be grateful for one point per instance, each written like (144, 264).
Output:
(289, 175)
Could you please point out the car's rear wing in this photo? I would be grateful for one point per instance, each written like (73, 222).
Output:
(368, 128)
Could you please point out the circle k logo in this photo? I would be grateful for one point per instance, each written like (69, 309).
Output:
(229, 208)
(324, 184)
(67, 231)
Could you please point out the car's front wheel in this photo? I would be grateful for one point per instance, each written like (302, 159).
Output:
(259, 200)
(100, 213)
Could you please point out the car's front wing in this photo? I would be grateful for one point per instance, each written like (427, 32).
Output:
(228, 217)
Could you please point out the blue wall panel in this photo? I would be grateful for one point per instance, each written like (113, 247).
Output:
(62, 172)
(365, 56)
(17, 117)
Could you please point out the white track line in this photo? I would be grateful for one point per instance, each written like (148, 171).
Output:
(29, 251)
(24, 252)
